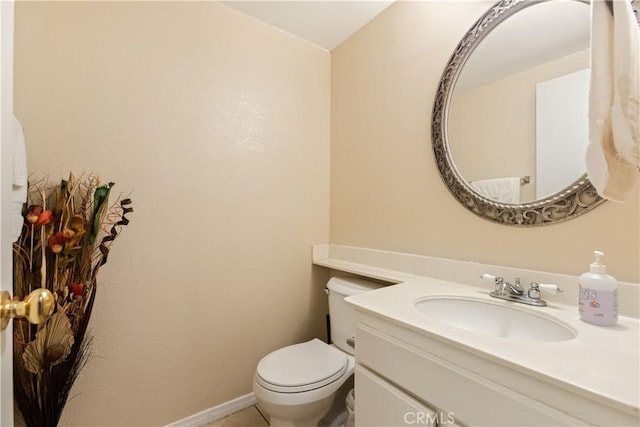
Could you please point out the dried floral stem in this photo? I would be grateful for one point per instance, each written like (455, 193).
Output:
(31, 249)
(43, 268)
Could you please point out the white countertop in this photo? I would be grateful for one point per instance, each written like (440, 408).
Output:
(601, 363)
(397, 267)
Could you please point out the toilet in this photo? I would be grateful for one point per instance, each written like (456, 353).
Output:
(296, 385)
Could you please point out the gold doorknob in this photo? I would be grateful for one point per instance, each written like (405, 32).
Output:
(36, 308)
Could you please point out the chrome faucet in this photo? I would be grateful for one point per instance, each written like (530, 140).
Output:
(515, 292)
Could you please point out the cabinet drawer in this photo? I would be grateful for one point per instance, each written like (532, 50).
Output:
(380, 404)
(444, 386)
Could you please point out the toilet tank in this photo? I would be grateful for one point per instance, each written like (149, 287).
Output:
(341, 314)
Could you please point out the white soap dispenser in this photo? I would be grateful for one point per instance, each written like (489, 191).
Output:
(598, 297)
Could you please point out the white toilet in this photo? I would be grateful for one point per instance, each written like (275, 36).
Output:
(296, 385)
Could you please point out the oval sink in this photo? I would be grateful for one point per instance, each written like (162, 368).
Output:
(496, 320)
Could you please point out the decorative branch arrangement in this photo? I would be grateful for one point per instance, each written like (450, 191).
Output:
(67, 234)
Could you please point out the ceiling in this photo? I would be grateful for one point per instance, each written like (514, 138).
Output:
(538, 34)
(323, 23)
(535, 35)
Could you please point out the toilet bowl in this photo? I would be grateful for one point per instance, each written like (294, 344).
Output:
(296, 385)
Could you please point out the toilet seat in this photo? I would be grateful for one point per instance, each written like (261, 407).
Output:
(301, 367)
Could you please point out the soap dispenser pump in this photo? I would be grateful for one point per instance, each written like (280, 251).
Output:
(598, 296)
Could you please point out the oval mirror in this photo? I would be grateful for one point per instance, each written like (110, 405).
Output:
(509, 124)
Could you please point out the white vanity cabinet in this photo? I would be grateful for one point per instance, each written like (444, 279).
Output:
(402, 375)
(410, 359)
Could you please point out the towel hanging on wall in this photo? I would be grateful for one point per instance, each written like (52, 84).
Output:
(613, 152)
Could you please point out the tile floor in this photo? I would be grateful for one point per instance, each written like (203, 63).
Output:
(249, 417)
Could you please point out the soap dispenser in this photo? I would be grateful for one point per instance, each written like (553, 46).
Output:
(598, 296)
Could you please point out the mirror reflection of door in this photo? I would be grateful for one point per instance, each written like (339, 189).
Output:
(493, 118)
(562, 127)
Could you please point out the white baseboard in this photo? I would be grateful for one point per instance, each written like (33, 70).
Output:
(217, 412)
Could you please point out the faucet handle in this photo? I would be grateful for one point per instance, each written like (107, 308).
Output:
(498, 281)
(535, 288)
(534, 291)
(550, 287)
(487, 276)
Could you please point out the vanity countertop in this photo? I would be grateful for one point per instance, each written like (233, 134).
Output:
(602, 363)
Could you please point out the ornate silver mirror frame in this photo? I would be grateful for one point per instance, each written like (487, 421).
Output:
(575, 200)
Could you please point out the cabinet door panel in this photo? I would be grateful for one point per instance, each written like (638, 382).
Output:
(380, 404)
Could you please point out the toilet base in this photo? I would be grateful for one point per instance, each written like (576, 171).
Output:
(337, 414)
(308, 415)
(322, 413)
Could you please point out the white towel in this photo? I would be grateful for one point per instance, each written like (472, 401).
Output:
(20, 184)
(613, 152)
(504, 190)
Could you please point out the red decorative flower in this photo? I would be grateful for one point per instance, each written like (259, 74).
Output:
(32, 214)
(57, 241)
(45, 217)
(76, 288)
(37, 216)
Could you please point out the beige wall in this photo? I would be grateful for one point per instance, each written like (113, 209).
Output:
(386, 192)
(219, 126)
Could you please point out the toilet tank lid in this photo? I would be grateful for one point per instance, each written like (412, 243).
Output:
(351, 285)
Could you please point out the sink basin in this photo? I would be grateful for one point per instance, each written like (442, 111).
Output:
(494, 319)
